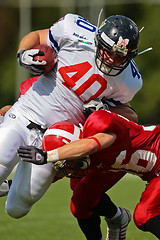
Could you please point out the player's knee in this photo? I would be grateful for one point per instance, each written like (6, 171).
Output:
(78, 211)
(18, 204)
(17, 210)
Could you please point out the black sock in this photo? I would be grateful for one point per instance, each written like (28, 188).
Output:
(105, 207)
(91, 227)
(153, 226)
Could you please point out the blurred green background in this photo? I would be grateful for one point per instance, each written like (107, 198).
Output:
(20, 17)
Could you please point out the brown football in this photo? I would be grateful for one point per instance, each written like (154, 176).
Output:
(49, 56)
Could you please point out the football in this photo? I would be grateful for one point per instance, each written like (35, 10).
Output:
(49, 56)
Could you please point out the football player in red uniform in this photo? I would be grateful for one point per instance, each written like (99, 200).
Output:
(114, 144)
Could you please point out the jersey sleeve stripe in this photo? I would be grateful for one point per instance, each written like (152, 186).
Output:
(54, 43)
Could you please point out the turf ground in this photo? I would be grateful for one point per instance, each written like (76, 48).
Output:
(50, 218)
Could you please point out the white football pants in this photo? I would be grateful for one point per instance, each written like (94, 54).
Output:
(30, 181)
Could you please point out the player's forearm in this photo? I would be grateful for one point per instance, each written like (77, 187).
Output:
(74, 150)
(125, 111)
(82, 148)
(33, 38)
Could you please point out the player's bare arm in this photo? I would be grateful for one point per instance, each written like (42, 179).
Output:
(81, 148)
(33, 38)
(74, 150)
(126, 111)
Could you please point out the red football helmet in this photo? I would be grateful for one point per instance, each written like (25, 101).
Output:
(56, 136)
(59, 134)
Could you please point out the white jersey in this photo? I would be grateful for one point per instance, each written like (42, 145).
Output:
(59, 96)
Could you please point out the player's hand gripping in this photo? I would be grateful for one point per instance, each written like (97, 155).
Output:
(26, 60)
(32, 154)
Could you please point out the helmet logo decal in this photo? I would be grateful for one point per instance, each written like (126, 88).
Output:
(122, 42)
(120, 47)
(38, 156)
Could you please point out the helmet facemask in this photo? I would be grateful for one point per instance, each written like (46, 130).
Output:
(74, 168)
(109, 68)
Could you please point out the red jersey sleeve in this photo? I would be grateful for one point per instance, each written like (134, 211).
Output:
(103, 121)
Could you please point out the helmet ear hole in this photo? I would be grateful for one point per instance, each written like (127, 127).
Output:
(120, 35)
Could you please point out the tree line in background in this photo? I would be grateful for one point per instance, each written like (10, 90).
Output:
(146, 102)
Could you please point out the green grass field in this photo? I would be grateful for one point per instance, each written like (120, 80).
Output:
(50, 218)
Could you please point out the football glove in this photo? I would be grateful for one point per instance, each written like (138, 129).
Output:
(92, 106)
(26, 60)
(32, 154)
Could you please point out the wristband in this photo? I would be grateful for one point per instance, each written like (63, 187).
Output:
(98, 143)
(52, 156)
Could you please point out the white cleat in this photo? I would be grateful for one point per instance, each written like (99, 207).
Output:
(4, 188)
(116, 229)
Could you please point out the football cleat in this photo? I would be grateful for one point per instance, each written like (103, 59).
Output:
(4, 188)
(116, 229)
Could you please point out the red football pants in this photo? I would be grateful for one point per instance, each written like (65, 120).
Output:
(149, 205)
(87, 191)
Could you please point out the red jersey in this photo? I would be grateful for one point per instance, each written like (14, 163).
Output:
(135, 150)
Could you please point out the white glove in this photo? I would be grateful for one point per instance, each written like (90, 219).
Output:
(26, 60)
(1, 118)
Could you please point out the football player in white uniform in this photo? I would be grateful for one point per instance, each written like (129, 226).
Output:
(92, 63)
